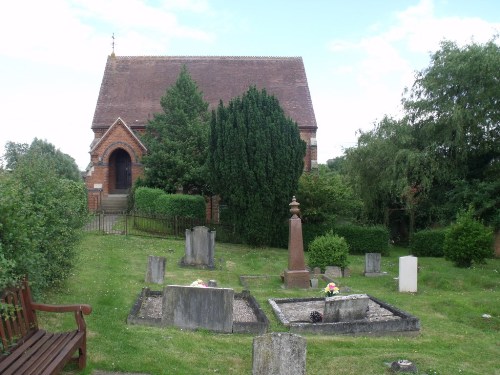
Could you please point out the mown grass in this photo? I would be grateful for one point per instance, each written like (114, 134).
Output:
(454, 337)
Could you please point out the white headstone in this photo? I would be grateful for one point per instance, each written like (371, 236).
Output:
(408, 274)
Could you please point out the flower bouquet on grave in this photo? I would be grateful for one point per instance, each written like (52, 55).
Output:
(331, 290)
(199, 283)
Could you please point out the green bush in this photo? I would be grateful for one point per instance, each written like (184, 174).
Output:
(190, 206)
(312, 230)
(145, 199)
(468, 241)
(428, 243)
(361, 239)
(41, 216)
(328, 250)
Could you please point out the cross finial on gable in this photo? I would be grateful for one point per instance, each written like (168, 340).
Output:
(113, 45)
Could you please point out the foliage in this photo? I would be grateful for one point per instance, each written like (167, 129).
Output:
(444, 153)
(255, 161)
(468, 241)
(7, 276)
(63, 164)
(328, 250)
(41, 214)
(325, 196)
(177, 140)
(428, 243)
(453, 105)
(145, 199)
(365, 239)
(156, 202)
(189, 206)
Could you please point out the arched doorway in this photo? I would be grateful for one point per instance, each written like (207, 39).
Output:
(120, 171)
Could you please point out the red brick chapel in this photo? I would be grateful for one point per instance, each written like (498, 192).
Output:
(130, 94)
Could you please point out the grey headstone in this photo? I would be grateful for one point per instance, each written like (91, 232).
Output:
(212, 284)
(200, 247)
(156, 270)
(279, 353)
(372, 264)
(194, 307)
(333, 272)
(314, 283)
(345, 308)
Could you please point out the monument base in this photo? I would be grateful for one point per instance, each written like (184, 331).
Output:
(297, 279)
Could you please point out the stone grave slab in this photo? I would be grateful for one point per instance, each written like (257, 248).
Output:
(194, 307)
(345, 308)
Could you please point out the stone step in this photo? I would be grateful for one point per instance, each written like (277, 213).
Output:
(114, 202)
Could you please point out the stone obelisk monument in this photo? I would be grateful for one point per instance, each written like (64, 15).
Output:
(296, 276)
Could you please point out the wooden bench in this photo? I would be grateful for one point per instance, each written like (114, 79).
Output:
(27, 349)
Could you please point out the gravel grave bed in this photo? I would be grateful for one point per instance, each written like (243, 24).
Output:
(152, 308)
(299, 311)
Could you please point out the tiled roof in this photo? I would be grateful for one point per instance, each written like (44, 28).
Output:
(132, 86)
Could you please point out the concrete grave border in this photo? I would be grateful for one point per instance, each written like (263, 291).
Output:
(407, 325)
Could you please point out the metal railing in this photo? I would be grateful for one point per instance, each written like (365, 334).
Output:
(123, 223)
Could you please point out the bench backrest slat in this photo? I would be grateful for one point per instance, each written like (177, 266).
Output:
(16, 319)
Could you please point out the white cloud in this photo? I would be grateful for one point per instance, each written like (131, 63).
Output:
(384, 63)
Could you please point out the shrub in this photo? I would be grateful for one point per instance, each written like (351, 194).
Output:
(428, 243)
(468, 241)
(328, 250)
(145, 199)
(190, 206)
(361, 239)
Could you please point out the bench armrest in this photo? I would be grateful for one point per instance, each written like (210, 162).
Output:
(79, 310)
(85, 309)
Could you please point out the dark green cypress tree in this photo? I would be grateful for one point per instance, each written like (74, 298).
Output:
(256, 157)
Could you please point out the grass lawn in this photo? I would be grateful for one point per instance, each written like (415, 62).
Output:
(454, 337)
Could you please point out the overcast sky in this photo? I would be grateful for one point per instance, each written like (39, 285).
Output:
(358, 55)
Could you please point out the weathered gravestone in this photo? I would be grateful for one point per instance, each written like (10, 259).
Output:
(333, 272)
(345, 308)
(199, 248)
(408, 268)
(196, 307)
(279, 353)
(372, 264)
(156, 270)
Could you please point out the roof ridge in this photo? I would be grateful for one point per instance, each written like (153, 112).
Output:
(210, 57)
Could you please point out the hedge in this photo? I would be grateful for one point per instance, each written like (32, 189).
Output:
(365, 239)
(189, 206)
(428, 243)
(145, 199)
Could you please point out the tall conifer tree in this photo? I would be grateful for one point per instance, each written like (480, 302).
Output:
(177, 139)
(256, 157)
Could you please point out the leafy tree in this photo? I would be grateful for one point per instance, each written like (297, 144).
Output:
(41, 214)
(390, 170)
(445, 152)
(177, 140)
(255, 161)
(454, 105)
(325, 196)
(63, 164)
